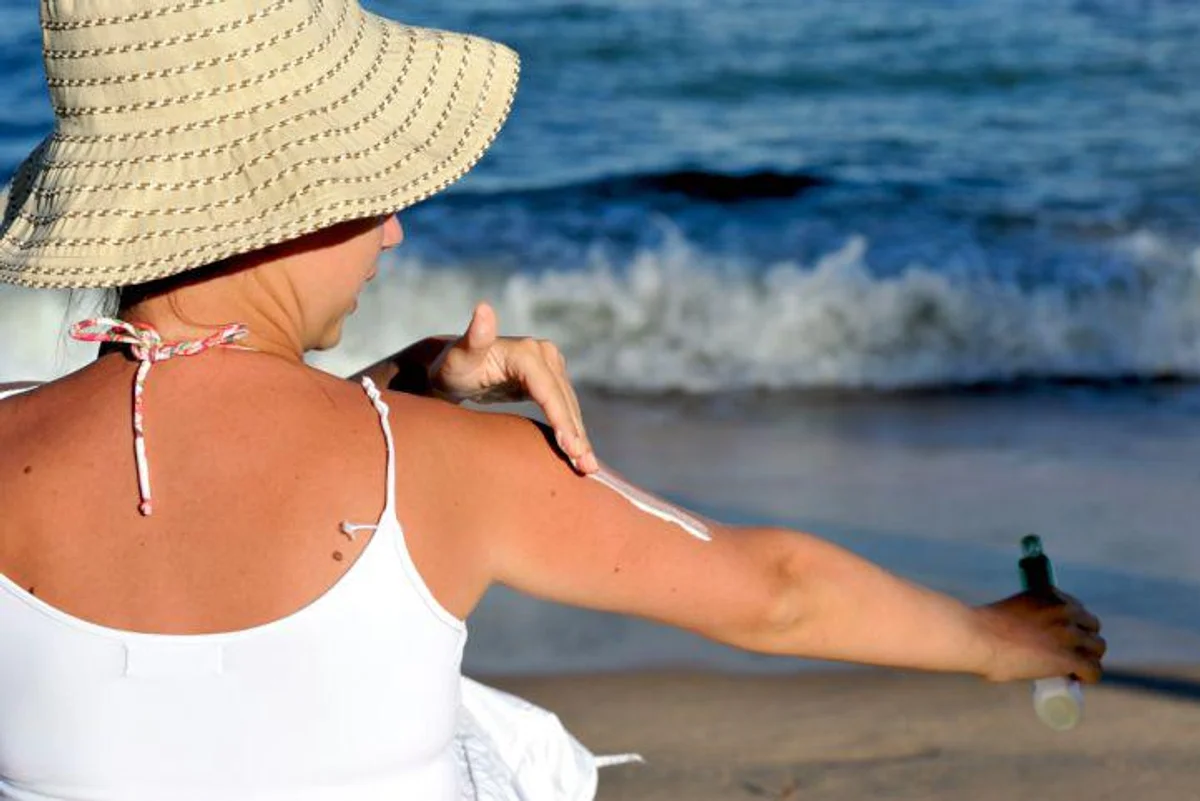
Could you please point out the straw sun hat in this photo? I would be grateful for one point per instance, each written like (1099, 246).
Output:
(188, 131)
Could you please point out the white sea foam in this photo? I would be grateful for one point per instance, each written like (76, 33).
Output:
(676, 318)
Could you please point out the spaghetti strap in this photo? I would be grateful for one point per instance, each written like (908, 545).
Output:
(390, 518)
(385, 422)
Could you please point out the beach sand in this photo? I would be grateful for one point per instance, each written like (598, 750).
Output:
(867, 734)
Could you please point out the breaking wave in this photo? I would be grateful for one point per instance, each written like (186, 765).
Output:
(674, 319)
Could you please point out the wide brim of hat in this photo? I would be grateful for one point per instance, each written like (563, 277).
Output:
(398, 117)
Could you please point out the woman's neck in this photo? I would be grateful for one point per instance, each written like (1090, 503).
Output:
(265, 336)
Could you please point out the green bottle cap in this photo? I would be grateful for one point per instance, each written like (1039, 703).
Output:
(1037, 574)
(1031, 545)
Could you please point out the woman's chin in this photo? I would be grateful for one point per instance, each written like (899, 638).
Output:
(331, 338)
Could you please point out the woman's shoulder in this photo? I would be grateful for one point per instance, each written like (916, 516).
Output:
(498, 434)
(456, 459)
(14, 396)
(17, 399)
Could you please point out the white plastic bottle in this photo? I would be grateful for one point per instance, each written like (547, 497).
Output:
(1058, 701)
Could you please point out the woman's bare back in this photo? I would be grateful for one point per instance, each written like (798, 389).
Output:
(254, 463)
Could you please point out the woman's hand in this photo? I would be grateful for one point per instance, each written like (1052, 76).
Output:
(485, 368)
(482, 367)
(1038, 637)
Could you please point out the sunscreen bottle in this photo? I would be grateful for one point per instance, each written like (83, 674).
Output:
(1058, 701)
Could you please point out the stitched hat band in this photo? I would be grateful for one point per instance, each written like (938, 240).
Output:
(188, 131)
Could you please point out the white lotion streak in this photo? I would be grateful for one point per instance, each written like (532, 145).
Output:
(652, 505)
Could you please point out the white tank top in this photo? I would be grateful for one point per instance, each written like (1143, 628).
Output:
(354, 697)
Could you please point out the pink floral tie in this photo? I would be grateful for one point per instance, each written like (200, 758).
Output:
(147, 347)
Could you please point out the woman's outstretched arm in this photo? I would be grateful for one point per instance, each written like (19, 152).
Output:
(556, 535)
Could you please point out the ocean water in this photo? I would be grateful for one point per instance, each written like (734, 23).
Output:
(700, 195)
(721, 209)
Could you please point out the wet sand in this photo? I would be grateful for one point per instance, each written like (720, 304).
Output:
(866, 734)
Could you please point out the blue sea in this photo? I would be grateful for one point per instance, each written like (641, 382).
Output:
(948, 249)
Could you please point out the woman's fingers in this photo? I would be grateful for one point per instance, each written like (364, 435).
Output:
(1081, 651)
(553, 362)
(1076, 629)
(1087, 621)
(581, 452)
(1075, 615)
(1063, 634)
(1087, 671)
(1081, 654)
(1067, 610)
(487, 368)
(1091, 645)
(550, 390)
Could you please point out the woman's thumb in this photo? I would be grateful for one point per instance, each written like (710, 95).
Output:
(481, 332)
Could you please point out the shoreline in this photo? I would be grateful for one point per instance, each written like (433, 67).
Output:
(871, 733)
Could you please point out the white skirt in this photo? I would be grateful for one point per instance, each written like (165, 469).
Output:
(511, 750)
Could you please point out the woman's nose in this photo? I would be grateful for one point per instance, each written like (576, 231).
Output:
(393, 232)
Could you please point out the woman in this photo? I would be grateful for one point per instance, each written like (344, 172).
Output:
(231, 608)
